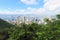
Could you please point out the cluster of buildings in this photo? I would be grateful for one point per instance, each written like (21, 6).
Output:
(27, 20)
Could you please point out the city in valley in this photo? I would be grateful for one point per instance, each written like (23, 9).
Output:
(28, 20)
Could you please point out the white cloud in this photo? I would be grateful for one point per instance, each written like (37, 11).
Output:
(6, 12)
(29, 10)
(29, 2)
(52, 4)
(35, 11)
(52, 7)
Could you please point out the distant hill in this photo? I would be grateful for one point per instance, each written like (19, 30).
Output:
(4, 24)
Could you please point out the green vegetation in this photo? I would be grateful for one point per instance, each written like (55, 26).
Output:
(49, 31)
(4, 26)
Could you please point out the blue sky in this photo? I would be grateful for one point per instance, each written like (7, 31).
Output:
(29, 6)
(17, 4)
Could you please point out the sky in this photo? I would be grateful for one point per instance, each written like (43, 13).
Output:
(44, 7)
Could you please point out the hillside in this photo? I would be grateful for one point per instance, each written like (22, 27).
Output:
(4, 24)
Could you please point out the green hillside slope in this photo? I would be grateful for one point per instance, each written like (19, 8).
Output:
(4, 24)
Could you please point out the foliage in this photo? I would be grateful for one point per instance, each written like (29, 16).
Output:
(49, 31)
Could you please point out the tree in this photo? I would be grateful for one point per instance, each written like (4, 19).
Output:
(58, 16)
